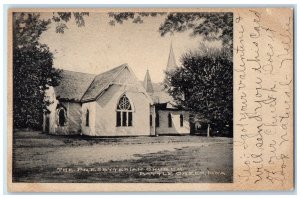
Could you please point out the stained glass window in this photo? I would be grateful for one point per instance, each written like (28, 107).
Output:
(124, 112)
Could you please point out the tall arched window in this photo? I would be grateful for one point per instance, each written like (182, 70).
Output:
(87, 118)
(61, 117)
(124, 112)
(157, 120)
(181, 120)
(169, 120)
(150, 120)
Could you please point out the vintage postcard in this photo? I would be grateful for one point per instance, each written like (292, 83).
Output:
(150, 99)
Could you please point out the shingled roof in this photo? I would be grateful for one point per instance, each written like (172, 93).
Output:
(101, 82)
(73, 85)
(84, 87)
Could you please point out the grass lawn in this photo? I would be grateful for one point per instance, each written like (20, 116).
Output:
(40, 157)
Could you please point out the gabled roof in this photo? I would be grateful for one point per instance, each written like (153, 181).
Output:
(73, 85)
(101, 82)
(84, 87)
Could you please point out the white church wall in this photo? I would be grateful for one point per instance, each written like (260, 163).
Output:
(90, 129)
(164, 129)
(105, 120)
(106, 106)
(74, 117)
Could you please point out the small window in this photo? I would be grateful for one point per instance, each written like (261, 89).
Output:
(124, 112)
(181, 120)
(87, 118)
(169, 120)
(157, 120)
(150, 120)
(61, 117)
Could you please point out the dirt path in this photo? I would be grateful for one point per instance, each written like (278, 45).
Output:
(98, 153)
(86, 155)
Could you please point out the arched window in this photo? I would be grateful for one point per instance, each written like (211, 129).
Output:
(150, 120)
(61, 117)
(124, 112)
(181, 120)
(157, 120)
(169, 120)
(87, 118)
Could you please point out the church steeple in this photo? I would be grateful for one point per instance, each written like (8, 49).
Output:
(148, 83)
(171, 61)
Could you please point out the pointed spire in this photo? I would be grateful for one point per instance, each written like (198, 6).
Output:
(171, 61)
(148, 83)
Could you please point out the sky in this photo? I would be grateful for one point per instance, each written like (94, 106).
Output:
(98, 46)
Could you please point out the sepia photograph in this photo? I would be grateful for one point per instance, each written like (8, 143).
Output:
(122, 97)
(150, 99)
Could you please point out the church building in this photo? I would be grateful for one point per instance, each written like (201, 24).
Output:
(113, 103)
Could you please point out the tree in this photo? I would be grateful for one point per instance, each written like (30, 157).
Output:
(135, 17)
(204, 86)
(33, 70)
(210, 25)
